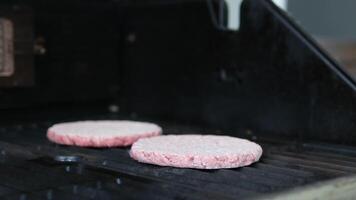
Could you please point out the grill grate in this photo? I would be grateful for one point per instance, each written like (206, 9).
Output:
(31, 167)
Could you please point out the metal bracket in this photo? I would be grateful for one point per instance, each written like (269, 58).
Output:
(233, 13)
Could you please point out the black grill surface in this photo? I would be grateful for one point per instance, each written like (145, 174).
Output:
(33, 168)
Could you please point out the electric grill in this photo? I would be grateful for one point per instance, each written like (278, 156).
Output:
(173, 63)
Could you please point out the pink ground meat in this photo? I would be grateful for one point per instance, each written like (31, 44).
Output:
(101, 133)
(196, 151)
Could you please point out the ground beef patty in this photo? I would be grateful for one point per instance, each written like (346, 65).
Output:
(101, 133)
(196, 151)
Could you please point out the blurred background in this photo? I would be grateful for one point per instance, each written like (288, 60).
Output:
(332, 23)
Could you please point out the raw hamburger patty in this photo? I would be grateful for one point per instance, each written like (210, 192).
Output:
(196, 151)
(101, 133)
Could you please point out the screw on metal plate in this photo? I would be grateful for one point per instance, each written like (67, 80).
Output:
(223, 75)
(249, 132)
(67, 168)
(39, 46)
(104, 162)
(114, 108)
(118, 181)
(67, 159)
(131, 37)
